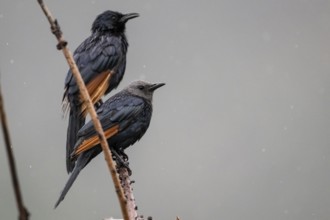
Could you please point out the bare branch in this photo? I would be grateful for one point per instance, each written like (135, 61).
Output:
(23, 212)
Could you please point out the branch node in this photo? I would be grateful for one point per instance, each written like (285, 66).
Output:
(61, 44)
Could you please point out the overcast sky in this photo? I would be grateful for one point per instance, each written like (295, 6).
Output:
(240, 131)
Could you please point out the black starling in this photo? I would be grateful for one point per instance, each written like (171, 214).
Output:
(125, 117)
(101, 60)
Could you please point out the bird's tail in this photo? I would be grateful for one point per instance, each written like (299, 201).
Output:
(81, 163)
(76, 121)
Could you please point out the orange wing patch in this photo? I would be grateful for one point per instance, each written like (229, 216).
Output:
(93, 141)
(96, 88)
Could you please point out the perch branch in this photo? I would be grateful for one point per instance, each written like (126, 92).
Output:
(55, 28)
(23, 212)
(126, 183)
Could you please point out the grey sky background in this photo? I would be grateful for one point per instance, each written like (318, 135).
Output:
(240, 131)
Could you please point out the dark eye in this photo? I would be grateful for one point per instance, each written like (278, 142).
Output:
(113, 17)
(141, 87)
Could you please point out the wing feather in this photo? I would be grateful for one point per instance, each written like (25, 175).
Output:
(94, 140)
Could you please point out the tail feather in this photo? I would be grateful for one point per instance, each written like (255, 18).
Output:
(76, 121)
(81, 163)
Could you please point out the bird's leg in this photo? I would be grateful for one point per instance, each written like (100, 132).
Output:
(120, 160)
(123, 155)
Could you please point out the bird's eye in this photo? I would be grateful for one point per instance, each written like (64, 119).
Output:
(141, 87)
(113, 17)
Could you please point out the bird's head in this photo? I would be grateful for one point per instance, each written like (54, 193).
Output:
(112, 21)
(143, 89)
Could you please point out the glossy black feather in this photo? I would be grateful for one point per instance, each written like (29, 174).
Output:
(124, 110)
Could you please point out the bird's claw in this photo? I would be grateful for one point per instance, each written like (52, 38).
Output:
(121, 160)
(124, 165)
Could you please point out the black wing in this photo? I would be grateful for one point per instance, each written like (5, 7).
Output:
(95, 55)
(118, 110)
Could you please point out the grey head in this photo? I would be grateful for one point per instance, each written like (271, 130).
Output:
(143, 89)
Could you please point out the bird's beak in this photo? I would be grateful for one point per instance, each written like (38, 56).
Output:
(155, 86)
(129, 16)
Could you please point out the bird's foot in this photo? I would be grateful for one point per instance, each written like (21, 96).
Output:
(121, 160)
(124, 156)
(124, 165)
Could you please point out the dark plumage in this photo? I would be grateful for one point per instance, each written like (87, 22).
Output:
(125, 117)
(101, 59)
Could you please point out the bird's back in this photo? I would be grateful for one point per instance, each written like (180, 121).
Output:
(131, 113)
(99, 53)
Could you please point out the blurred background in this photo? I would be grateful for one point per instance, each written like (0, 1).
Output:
(240, 131)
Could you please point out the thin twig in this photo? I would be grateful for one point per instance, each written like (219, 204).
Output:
(23, 212)
(74, 69)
